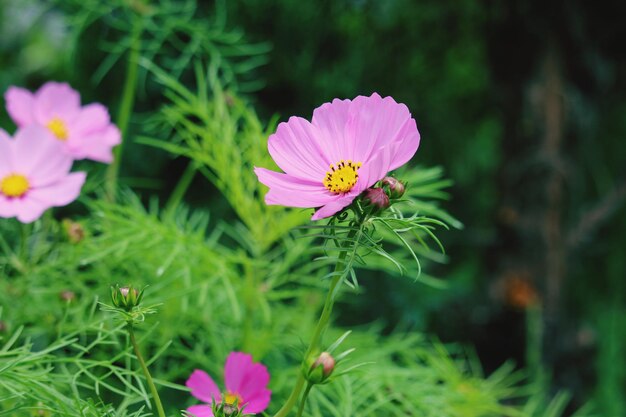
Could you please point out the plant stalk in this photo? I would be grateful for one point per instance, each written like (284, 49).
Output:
(181, 188)
(307, 390)
(322, 324)
(153, 390)
(126, 107)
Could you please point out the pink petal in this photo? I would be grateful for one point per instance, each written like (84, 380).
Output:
(334, 206)
(289, 191)
(404, 149)
(39, 156)
(375, 169)
(201, 410)
(236, 369)
(258, 402)
(20, 105)
(7, 207)
(249, 380)
(56, 100)
(27, 209)
(332, 119)
(92, 118)
(297, 149)
(6, 154)
(203, 387)
(97, 146)
(375, 122)
(62, 192)
(254, 382)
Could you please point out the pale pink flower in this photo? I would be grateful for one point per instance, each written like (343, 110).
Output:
(86, 131)
(246, 385)
(35, 174)
(347, 147)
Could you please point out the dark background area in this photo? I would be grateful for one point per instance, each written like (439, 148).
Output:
(523, 104)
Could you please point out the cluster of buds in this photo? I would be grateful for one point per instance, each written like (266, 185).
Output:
(126, 297)
(380, 197)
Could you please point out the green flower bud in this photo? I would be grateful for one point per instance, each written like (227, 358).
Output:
(320, 368)
(73, 230)
(125, 297)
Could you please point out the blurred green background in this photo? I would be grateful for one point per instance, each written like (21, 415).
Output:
(523, 103)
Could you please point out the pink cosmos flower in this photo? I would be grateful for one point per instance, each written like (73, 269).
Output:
(246, 385)
(347, 147)
(35, 174)
(86, 132)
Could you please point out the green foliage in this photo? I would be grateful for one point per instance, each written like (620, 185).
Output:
(238, 275)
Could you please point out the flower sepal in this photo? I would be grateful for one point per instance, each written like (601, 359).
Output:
(126, 304)
(375, 199)
(126, 297)
(393, 187)
(225, 409)
(319, 368)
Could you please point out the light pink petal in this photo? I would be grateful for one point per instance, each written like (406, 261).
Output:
(201, 410)
(297, 149)
(56, 100)
(61, 192)
(374, 122)
(20, 105)
(6, 154)
(331, 119)
(404, 149)
(92, 118)
(258, 402)
(97, 146)
(334, 206)
(286, 190)
(28, 209)
(39, 156)
(375, 169)
(203, 387)
(7, 207)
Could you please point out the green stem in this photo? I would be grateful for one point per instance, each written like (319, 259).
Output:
(307, 390)
(181, 188)
(250, 295)
(126, 106)
(153, 390)
(319, 330)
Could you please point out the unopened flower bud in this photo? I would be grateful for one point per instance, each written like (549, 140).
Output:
(327, 362)
(376, 197)
(73, 230)
(67, 296)
(396, 187)
(321, 368)
(125, 297)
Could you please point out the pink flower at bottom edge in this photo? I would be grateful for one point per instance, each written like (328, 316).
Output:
(85, 131)
(246, 384)
(35, 174)
(347, 147)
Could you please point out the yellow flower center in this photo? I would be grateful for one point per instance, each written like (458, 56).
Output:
(14, 185)
(342, 177)
(58, 128)
(232, 399)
